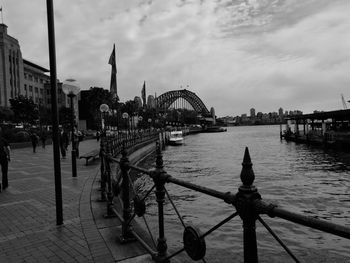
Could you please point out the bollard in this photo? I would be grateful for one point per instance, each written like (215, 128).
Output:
(127, 235)
(160, 177)
(246, 196)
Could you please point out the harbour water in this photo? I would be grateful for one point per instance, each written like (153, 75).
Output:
(299, 178)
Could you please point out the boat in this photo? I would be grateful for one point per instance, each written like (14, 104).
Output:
(214, 129)
(176, 138)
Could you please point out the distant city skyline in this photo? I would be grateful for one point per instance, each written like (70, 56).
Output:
(230, 53)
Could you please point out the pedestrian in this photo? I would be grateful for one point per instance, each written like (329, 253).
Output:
(98, 135)
(78, 137)
(4, 160)
(43, 137)
(35, 139)
(64, 141)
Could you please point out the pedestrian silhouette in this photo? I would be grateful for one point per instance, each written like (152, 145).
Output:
(64, 141)
(4, 159)
(43, 137)
(35, 139)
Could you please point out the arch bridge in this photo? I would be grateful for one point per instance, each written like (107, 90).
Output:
(181, 99)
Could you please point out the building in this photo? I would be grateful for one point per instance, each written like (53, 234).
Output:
(19, 76)
(11, 67)
(151, 103)
(138, 102)
(252, 113)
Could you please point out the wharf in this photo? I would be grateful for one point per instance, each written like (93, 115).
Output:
(28, 231)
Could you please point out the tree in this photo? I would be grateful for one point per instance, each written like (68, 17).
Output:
(96, 97)
(24, 109)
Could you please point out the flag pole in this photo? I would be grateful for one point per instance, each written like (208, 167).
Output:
(2, 18)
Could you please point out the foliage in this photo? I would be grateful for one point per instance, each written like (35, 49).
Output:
(98, 96)
(6, 114)
(25, 110)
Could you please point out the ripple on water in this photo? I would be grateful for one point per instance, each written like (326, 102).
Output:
(297, 177)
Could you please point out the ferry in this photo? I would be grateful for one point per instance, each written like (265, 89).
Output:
(176, 138)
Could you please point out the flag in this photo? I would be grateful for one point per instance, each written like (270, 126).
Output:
(143, 93)
(0, 9)
(113, 86)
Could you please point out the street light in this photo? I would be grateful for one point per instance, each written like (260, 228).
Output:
(115, 119)
(125, 116)
(71, 88)
(140, 120)
(103, 109)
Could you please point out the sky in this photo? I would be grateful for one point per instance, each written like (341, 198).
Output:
(235, 55)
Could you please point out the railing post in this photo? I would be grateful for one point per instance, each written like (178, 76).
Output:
(246, 196)
(126, 236)
(160, 180)
(110, 196)
(102, 168)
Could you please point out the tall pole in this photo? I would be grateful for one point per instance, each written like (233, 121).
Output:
(74, 158)
(55, 133)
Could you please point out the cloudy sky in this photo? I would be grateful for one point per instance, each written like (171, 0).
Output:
(233, 54)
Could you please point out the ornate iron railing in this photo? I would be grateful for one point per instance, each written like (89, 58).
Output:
(247, 202)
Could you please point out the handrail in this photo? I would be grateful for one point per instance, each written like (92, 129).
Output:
(247, 202)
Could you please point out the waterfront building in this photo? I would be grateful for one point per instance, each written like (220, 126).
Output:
(19, 76)
(11, 67)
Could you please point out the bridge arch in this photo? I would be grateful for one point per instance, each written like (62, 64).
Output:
(165, 100)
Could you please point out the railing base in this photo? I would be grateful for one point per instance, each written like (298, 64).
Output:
(129, 239)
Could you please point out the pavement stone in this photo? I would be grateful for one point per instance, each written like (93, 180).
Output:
(28, 230)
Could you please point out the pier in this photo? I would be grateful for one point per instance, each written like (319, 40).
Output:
(329, 129)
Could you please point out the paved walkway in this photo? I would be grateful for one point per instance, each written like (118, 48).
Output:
(28, 231)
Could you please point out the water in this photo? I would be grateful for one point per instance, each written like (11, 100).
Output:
(296, 177)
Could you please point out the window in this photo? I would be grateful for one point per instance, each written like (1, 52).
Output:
(36, 90)
(36, 79)
(30, 77)
(36, 100)
(25, 87)
(41, 81)
(48, 101)
(48, 92)
(30, 88)
(41, 91)
(25, 75)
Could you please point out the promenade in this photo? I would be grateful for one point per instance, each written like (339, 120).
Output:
(28, 230)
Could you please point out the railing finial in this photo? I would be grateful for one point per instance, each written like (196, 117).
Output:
(247, 173)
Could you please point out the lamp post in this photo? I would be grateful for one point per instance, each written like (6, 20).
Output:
(115, 119)
(140, 120)
(125, 116)
(71, 88)
(103, 109)
(149, 123)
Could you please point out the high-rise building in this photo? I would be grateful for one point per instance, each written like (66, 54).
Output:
(11, 67)
(19, 76)
(252, 113)
(151, 103)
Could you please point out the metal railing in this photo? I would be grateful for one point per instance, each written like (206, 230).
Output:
(247, 203)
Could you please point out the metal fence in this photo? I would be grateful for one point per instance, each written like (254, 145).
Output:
(247, 203)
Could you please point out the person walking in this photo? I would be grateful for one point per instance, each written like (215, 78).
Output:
(64, 141)
(43, 137)
(4, 160)
(35, 140)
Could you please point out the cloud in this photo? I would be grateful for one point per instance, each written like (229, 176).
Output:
(234, 55)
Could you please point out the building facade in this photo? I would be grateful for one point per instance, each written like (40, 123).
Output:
(19, 76)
